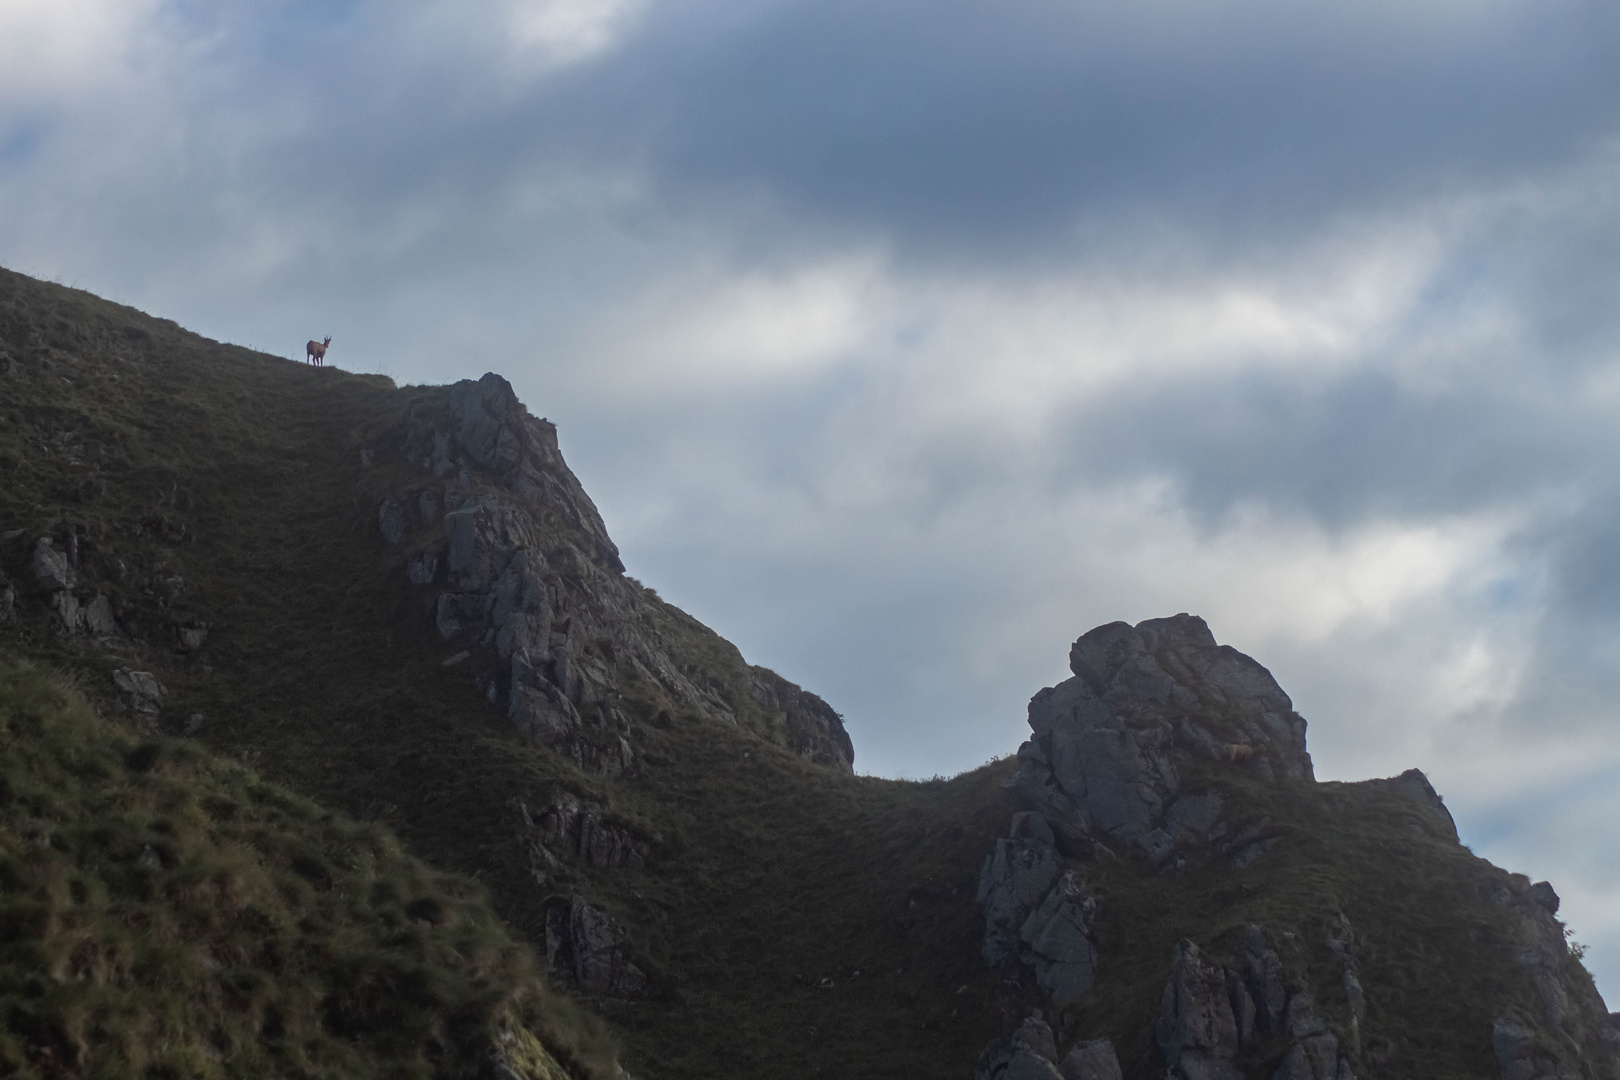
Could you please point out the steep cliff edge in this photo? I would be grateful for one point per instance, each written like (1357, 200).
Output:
(402, 603)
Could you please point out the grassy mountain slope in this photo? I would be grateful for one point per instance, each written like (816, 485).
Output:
(790, 918)
(168, 913)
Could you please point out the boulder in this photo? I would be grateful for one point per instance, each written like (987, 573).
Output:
(52, 568)
(1106, 739)
(1262, 980)
(586, 947)
(1093, 1059)
(1515, 1046)
(1015, 878)
(140, 691)
(580, 828)
(1542, 893)
(98, 617)
(1029, 1054)
(1196, 1030)
(1057, 942)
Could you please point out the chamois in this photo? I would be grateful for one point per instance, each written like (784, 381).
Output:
(315, 352)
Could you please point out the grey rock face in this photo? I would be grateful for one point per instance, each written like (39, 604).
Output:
(498, 433)
(140, 691)
(1029, 1054)
(1210, 1011)
(568, 823)
(808, 724)
(1106, 740)
(52, 568)
(528, 568)
(1515, 1046)
(587, 948)
(1092, 1060)
(1196, 1030)
(98, 617)
(8, 602)
(1057, 942)
(1542, 893)
(1014, 880)
(1262, 979)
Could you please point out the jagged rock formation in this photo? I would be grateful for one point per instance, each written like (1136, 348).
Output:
(589, 949)
(1031, 1053)
(524, 565)
(1104, 778)
(1102, 756)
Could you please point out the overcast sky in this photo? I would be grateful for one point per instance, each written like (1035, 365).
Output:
(902, 341)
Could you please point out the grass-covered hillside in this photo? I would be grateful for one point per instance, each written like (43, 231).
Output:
(260, 536)
(164, 912)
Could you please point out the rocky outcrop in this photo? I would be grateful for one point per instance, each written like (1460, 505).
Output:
(808, 724)
(1030, 1053)
(587, 948)
(1057, 940)
(520, 563)
(1013, 883)
(1197, 1030)
(1102, 756)
(139, 692)
(53, 569)
(581, 830)
(1210, 1012)
(1035, 915)
(1430, 816)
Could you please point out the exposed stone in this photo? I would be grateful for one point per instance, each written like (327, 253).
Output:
(1515, 1046)
(140, 690)
(528, 568)
(1105, 738)
(1262, 979)
(1342, 941)
(53, 569)
(1542, 893)
(1057, 940)
(391, 521)
(68, 611)
(1196, 1030)
(1093, 1059)
(809, 725)
(1015, 879)
(98, 617)
(587, 948)
(8, 602)
(1433, 818)
(1029, 1054)
(569, 823)
(499, 434)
